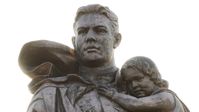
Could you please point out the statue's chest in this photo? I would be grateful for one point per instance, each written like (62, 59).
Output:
(93, 102)
(85, 98)
(90, 102)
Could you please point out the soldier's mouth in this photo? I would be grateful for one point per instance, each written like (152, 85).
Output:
(139, 93)
(91, 49)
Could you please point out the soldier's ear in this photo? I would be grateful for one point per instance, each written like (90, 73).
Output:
(117, 40)
(73, 41)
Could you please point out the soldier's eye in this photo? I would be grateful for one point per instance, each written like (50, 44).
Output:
(100, 30)
(82, 31)
(140, 78)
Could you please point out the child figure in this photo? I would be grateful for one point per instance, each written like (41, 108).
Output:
(146, 90)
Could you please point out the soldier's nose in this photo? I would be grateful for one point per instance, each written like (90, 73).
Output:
(134, 84)
(90, 36)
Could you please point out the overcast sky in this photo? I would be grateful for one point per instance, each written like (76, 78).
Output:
(165, 31)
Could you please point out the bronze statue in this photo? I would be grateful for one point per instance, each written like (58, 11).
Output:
(79, 80)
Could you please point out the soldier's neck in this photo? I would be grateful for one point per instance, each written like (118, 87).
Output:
(103, 74)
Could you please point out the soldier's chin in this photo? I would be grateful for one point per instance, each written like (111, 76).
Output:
(93, 61)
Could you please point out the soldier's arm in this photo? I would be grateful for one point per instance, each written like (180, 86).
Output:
(37, 106)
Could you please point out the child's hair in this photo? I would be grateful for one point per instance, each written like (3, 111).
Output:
(147, 67)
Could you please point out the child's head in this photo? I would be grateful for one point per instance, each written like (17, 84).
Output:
(142, 76)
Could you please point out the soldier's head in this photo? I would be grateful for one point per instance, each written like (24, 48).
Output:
(96, 35)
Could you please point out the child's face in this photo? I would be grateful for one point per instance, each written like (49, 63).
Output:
(138, 84)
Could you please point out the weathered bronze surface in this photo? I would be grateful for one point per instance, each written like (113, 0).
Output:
(85, 79)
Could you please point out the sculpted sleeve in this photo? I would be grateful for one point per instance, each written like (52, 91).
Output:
(44, 100)
(37, 106)
(37, 103)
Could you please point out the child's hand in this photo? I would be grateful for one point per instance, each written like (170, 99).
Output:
(106, 92)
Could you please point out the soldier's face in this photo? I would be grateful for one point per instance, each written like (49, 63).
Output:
(94, 39)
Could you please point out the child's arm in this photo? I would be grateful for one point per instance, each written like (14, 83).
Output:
(119, 98)
(161, 101)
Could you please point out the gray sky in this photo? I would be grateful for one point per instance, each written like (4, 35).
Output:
(165, 31)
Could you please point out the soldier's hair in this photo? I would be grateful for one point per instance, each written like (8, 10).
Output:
(99, 9)
(147, 67)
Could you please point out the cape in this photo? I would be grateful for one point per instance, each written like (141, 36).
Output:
(47, 58)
